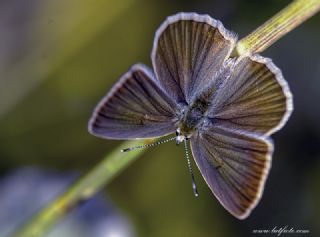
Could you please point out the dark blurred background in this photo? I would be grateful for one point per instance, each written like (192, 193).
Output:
(58, 58)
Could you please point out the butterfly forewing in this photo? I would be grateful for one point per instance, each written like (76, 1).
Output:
(255, 98)
(136, 107)
(234, 164)
(188, 51)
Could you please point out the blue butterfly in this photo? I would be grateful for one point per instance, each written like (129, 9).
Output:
(226, 107)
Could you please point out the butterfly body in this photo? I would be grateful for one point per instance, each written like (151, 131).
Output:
(227, 107)
(194, 117)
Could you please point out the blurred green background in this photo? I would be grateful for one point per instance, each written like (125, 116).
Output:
(58, 58)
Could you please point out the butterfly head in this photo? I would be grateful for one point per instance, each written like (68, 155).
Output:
(180, 136)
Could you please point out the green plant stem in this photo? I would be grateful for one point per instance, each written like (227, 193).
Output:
(277, 26)
(283, 22)
(85, 188)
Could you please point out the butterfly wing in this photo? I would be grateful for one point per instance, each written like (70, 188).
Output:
(234, 164)
(188, 51)
(136, 107)
(255, 98)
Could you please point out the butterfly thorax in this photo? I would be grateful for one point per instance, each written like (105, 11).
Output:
(195, 114)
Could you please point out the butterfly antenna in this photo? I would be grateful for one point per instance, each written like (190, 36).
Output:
(194, 186)
(148, 145)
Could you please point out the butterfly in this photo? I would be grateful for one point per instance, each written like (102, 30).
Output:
(227, 107)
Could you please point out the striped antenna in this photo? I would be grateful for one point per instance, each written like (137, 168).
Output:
(194, 186)
(148, 145)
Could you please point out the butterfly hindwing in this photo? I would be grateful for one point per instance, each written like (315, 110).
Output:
(234, 164)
